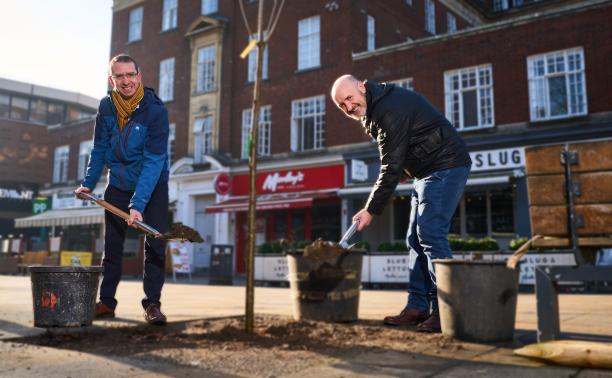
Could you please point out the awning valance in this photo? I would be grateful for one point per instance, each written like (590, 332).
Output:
(63, 217)
(267, 202)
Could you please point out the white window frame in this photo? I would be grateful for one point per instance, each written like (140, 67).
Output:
(542, 68)
(85, 148)
(451, 23)
(135, 24)
(430, 16)
(264, 131)
(207, 62)
(210, 6)
(171, 143)
(169, 14)
(309, 43)
(252, 63)
(406, 83)
(301, 110)
(60, 163)
(203, 137)
(458, 83)
(166, 79)
(371, 33)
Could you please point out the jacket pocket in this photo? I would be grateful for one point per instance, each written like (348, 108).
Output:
(426, 146)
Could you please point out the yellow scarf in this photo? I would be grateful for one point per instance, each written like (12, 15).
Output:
(124, 106)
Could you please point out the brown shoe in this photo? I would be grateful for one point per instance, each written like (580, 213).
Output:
(102, 311)
(153, 315)
(407, 317)
(432, 324)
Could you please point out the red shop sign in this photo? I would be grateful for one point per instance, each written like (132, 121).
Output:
(292, 180)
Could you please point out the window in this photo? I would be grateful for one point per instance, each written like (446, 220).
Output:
(166, 79)
(55, 113)
(210, 6)
(202, 129)
(476, 212)
(265, 127)
(409, 2)
(308, 124)
(206, 69)
(309, 43)
(404, 83)
(84, 153)
(371, 35)
(19, 108)
(171, 143)
(451, 23)
(557, 84)
(60, 164)
(5, 105)
(430, 16)
(499, 5)
(38, 111)
(253, 62)
(169, 14)
(135, 29)
(469, 97)
(76, 114)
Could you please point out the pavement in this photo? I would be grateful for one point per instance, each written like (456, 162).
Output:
(583, 316)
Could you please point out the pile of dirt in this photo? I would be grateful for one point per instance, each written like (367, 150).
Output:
(278, 345)
(323, 250)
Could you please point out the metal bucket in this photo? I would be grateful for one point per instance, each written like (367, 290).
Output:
(325, 290)
(477, 299)
(64, 296)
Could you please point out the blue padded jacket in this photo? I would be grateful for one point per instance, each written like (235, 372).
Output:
(136, 157)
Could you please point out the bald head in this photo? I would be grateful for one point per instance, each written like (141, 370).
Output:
(348, 93)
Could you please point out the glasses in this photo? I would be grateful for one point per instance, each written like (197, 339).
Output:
(129, 75)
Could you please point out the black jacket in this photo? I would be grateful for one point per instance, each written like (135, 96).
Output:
(413, 139)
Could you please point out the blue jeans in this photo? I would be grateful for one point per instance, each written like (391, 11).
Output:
(156, 216)
(434, 201)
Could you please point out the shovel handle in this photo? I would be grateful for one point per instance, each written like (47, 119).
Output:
(120, 213)
(348, 234)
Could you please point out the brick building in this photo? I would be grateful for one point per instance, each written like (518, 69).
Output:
(38, 151)
(507, 73)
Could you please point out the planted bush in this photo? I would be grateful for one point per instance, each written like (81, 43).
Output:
(517, 243)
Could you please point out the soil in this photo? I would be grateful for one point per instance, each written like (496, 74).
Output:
(278, 345)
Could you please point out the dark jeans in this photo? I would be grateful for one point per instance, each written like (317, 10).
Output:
(434, 201)
(156, 216)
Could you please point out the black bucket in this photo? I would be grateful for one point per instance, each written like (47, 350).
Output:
(477, 299)
(325, 290)
(64, 296)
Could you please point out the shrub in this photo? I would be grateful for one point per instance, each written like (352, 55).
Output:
(517, 243)
(301, 244)
(362, 245)
(385, 247)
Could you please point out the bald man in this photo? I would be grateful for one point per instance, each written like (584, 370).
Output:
(414, 141)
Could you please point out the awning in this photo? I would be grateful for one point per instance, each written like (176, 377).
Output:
(267, 202)
(63, 217)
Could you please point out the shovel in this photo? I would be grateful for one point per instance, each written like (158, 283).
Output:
(178, 231)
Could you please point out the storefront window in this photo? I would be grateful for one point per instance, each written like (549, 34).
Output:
(326, 221)
(401, 215)
(502, 210)
(297, 224)
(280, 224)
(5, 101)
(476, 212)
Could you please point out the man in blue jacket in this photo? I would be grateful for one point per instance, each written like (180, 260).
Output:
(131, 139)
(414, 140)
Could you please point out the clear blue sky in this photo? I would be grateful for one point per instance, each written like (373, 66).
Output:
(63, 44)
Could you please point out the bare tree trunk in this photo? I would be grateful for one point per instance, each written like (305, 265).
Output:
(250, 261)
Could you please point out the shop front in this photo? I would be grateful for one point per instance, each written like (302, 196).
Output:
(494, 202)
(295, 204)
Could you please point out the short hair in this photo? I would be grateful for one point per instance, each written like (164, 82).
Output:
(122, 58)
